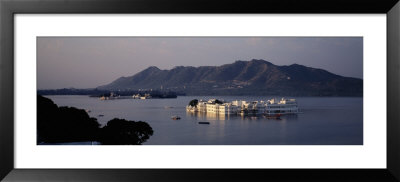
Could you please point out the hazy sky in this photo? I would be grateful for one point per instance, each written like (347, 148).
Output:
(84, 62)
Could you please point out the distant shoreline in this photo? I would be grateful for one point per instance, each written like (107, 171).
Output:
(201, 95)
(106, 93)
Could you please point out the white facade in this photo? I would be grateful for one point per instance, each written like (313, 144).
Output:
(284, 106)
(212, 107)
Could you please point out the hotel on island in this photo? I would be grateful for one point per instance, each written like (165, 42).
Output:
(270, 107)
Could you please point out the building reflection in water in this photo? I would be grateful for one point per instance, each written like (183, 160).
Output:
(208, 116)
(223, 117)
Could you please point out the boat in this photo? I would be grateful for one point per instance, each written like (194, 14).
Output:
(101, 115)
(204, 122)
(175, 117)
(146, 96)
(111, 97)
(274, 116)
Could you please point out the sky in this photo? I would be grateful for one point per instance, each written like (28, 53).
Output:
(88, 62)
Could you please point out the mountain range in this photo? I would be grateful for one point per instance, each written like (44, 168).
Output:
(255, 77)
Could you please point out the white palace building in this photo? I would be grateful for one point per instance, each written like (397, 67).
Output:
(270, 107)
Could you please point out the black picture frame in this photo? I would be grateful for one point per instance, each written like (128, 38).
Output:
(8, 8)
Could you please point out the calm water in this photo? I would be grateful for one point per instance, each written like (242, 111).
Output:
(325, 120)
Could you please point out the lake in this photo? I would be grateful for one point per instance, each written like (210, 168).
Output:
(323, 121)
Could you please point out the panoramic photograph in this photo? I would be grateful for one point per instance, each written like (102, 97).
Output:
(199, 91)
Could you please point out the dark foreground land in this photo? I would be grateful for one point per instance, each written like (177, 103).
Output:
(69, 124)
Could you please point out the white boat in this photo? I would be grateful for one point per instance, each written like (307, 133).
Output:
(111, 97)
(146, 96)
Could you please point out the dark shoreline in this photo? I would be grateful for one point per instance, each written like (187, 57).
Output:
(106, 93)
(158, 94)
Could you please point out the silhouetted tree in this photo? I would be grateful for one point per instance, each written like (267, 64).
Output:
(124, 132)
(64, 124)
(68, 124)
(218, 101)
(193, 102)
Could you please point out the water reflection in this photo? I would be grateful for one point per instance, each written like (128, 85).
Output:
(223, 117)
(208, 116)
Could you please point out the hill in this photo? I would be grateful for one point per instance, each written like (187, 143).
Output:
(255, 77)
